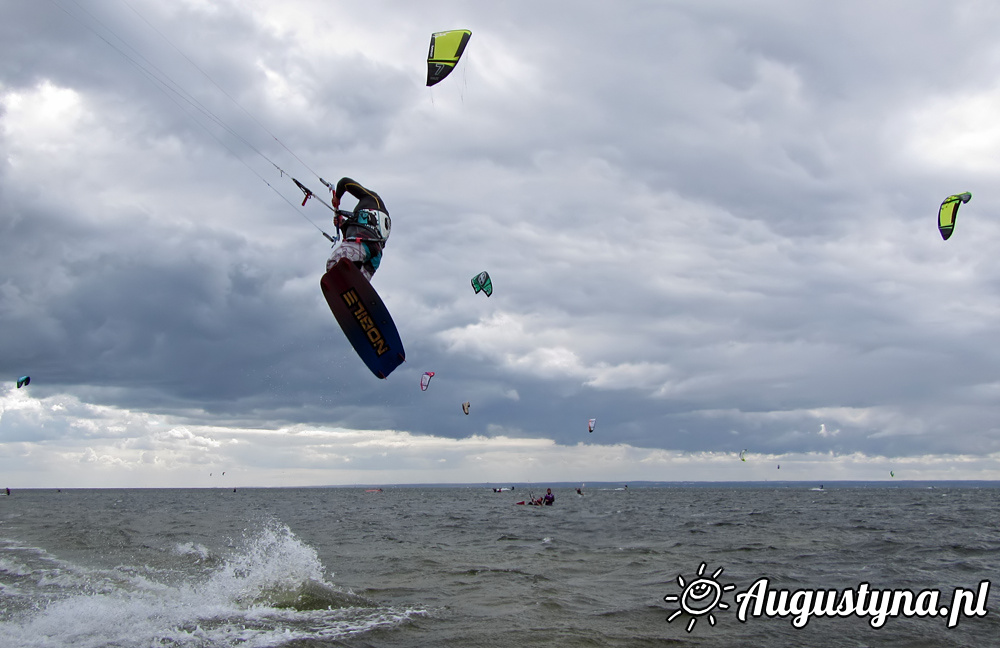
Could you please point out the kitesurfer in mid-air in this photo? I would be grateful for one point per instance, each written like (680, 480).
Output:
(364, 231)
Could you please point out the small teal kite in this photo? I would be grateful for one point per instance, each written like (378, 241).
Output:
(482, 282)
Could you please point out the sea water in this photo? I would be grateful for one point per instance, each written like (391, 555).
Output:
(468, 567)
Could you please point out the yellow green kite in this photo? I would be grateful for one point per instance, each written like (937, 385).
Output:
(446, 49)
(949, 211)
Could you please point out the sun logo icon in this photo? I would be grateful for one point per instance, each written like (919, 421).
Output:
(699, 597)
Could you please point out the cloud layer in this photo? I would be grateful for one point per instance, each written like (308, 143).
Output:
(710, 227)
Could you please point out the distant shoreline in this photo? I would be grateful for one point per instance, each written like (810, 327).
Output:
(587, 486)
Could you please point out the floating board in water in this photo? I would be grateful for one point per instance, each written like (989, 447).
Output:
(363, 317)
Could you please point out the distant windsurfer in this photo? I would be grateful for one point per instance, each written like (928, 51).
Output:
(363, 231)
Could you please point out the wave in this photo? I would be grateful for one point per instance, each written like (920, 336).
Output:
(270, 592)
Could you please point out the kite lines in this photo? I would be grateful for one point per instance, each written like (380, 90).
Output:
(191, 106)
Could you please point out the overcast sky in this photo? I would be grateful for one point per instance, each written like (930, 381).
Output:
(710, 226)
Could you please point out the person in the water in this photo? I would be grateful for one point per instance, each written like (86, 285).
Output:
(549, 498)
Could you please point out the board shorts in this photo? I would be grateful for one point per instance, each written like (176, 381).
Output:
(357, 252)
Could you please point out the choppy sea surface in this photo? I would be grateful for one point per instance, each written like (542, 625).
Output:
(468, 567)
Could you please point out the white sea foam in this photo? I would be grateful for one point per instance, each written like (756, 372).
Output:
(191, 549)
(271, 591)
(13, 567)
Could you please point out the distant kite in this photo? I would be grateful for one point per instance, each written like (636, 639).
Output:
(465, 407)
(446, 48)
(743, 455)
(591, 424)
(482, 282)
(949, 212)
(426, 380)
(23, 381)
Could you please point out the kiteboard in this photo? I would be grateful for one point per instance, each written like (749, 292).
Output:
(363, 317)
